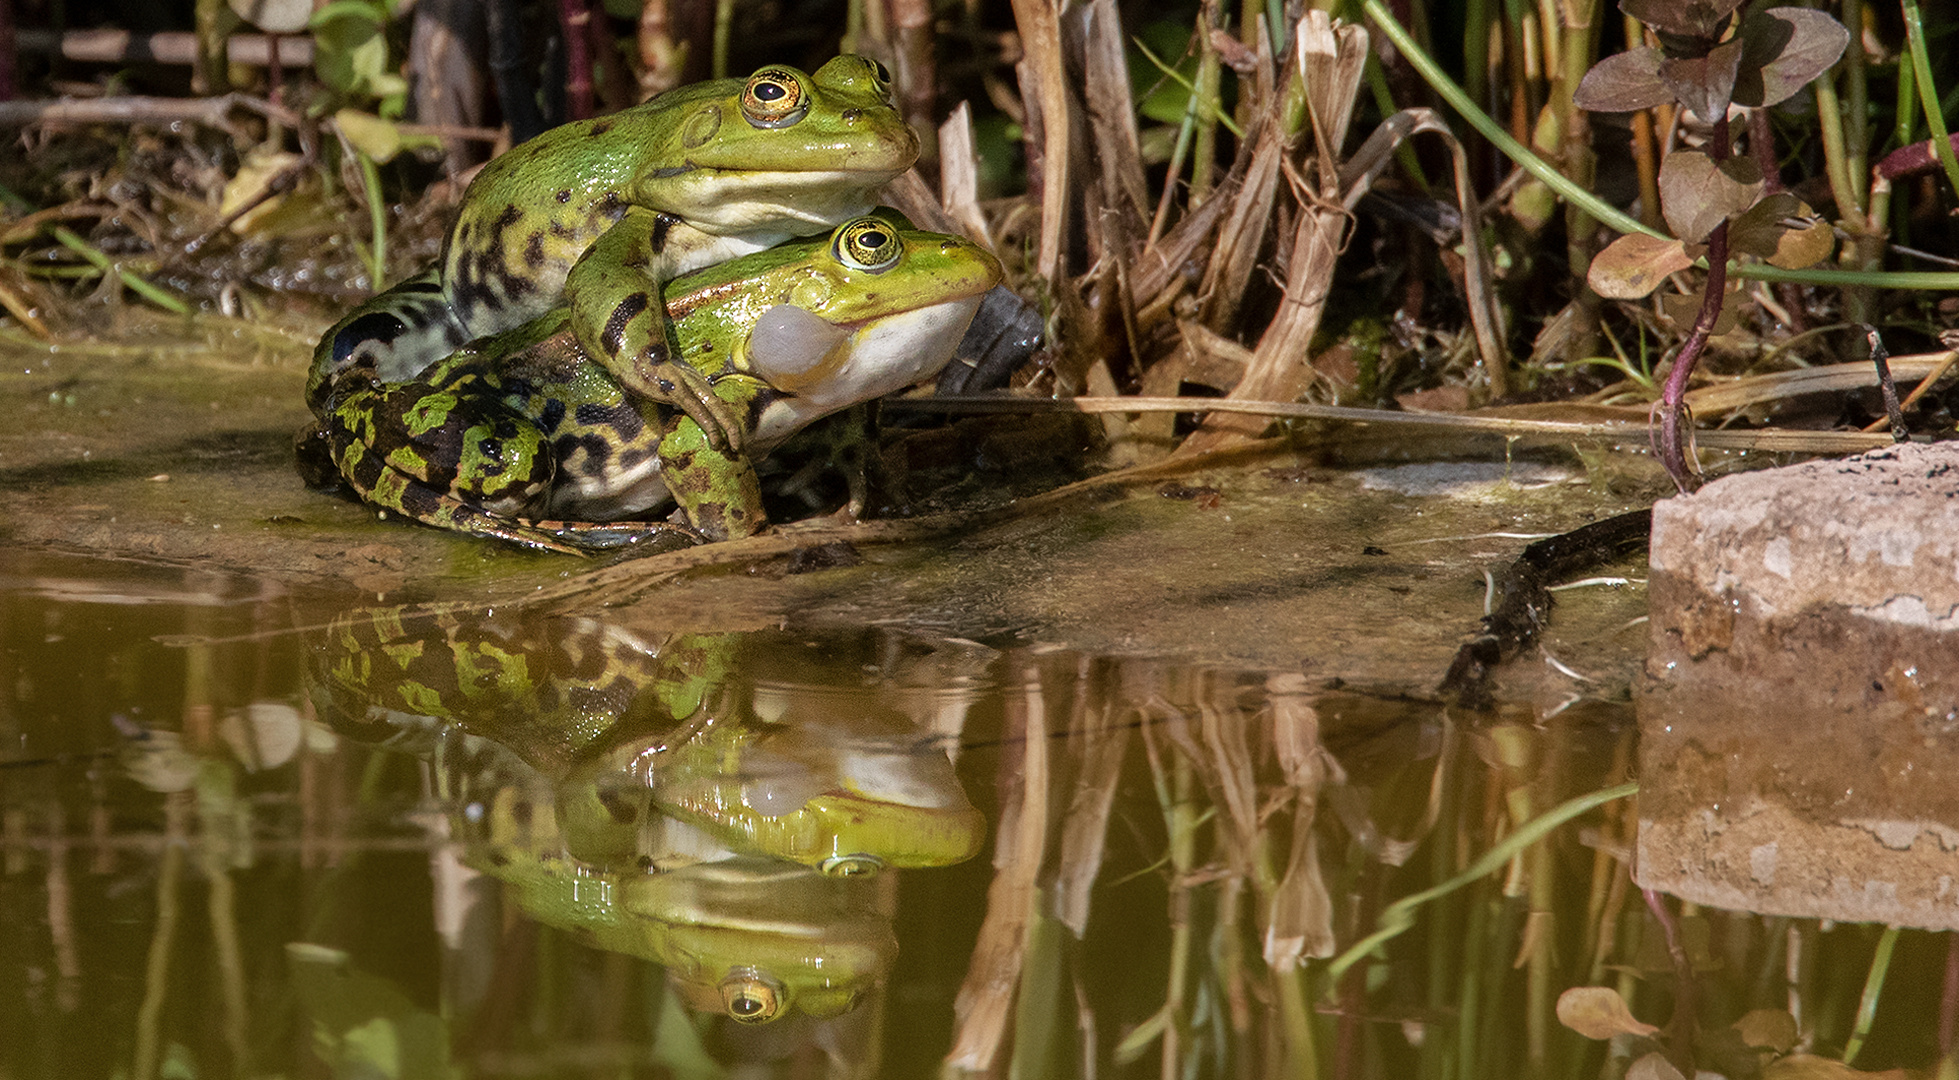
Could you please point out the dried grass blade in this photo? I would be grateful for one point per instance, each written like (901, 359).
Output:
(959, 175)
(1101, 745)
(1040, 35)
(985, 1000)
(1111, 112)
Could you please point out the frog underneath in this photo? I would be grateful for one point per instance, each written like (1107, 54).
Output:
(523, 426)
(597, 214)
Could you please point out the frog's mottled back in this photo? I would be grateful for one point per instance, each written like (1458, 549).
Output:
(599, 213)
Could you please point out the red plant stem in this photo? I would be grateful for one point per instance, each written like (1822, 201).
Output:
(575, 16)
(1680, 1029)
(1673, 408)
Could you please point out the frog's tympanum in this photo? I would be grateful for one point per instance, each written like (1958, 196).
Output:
(523, 427)
(599, 213)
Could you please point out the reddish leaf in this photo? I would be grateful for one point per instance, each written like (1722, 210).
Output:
(1683, 309)
(1704, 84)
(1634, 265)
(1683, 18)
(1696, 194)
(1785, 48)
(1626, 82)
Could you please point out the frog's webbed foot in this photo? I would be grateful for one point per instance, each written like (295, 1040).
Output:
(687, 389)
(597, 537)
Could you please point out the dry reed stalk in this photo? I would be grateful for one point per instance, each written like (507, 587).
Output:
(1299, 916)
(1330, 60)
(959, 176)
(985, 1001)
(1046, 73)
(916, 75)
(1099, 744)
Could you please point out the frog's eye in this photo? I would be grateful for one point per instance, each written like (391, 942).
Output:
(774, 98)
(851, 865)
(868, 244)
(883, 74)
(751, 998)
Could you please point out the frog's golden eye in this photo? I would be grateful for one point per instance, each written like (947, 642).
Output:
(868, 244)
(851, 865)
(774, 98)
(750, 997)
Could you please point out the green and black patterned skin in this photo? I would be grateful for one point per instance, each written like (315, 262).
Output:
(600, 213)
(522, 427)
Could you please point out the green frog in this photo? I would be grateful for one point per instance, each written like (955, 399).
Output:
(600, 213)
(749, 937)
(522, 428)
(652, 752)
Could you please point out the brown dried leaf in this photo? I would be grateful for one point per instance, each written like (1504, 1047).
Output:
(1773, 1029)
(1696, 194)
(1625, 82)
(1634, 265)
(1653, 1066)
(1693, 18)
(1704, 84)
(1783, 230)
(1598, 1012)
(1783, 49)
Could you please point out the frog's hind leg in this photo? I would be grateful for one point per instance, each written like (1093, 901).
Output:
(392, 337)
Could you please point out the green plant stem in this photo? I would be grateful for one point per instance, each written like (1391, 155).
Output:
(1921, 69)
(1873, 986)
(1843, 184)
(137, 285)
(377, 218)
(1446, 88)
(1400, 915)
(1856, 90)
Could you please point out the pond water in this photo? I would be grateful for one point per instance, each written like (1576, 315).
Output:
(1142, 781)
(250, 830)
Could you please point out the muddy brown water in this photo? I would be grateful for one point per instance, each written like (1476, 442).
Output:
(286, 790)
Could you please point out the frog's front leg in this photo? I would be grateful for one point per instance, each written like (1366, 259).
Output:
(619, 318)
(717, 490)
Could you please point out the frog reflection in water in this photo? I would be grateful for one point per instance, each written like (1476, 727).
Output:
(598, 214)
(622, 785)
(522, 426)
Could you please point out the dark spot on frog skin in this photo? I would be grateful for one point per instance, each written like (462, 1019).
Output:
(621, 418)
(510, 216)
(534, 251)
(597, 451)
(420, 287)
(662, 225)
(562, 231)
(633, 456)
(551, 416)
(611, 207)
(600, 128)
(615, 325)
(564, 195)
(419, 501)
(374, 326)
(671, 171)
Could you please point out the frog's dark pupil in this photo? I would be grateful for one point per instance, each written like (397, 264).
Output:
(883, 73)
(745, 1005)
(770, 92)
(875, 239)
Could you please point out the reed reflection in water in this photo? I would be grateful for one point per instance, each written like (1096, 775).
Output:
(205, 874)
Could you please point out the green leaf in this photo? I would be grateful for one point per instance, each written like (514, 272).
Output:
(359, 10)
(1782, 230)
(372, 136)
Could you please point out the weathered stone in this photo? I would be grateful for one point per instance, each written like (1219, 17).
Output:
(1799, 713)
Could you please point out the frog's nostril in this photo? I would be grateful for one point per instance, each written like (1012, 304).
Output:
(851, 116)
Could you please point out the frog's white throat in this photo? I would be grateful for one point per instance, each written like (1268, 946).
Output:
(865, 361)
